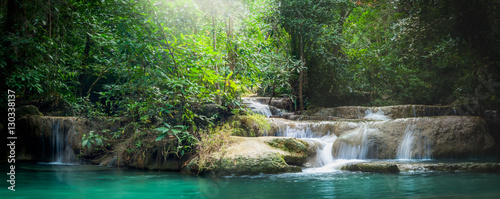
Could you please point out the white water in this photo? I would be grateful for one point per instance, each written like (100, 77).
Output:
(355, 145)
(61, 152)
(303, 129)
(359, 149)
(414, 112)
(379, 115)
(413, 146)
(257, 107)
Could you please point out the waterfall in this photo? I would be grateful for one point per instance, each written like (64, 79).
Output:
(357, 150)
(414, 112)
(303, 129)
(60, 150)
(323, 150)
(57, 142)
(257, 107)
(413, 146)
(379, 115)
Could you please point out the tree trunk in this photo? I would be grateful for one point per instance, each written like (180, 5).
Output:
(217, 86)
(301, 73)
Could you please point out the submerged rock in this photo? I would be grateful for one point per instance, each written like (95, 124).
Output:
(375, 167)
(396, 167)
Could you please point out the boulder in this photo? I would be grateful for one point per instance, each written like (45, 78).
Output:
(27, 110)
(250, 156)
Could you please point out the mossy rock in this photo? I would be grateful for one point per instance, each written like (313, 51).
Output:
(375, 167)
(27, 110)
(253, 125)
(289, 144)
(271, 163)
(249, 156)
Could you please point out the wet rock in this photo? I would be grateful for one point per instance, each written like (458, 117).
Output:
(451, 167)
(375, 167)
(396, 167)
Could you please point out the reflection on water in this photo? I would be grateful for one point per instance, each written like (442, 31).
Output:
(61, 181)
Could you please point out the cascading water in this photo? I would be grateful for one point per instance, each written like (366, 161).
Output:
(357, 141)
(413, 146)
(257, 107)
(302, 129)
(414, 112)
(358, 150)
(379, 115)
(57, 142)
(61, 151)
(319, 134)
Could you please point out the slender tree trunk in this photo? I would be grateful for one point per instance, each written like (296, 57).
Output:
(83, 71)
(214, 38)
(301, 74)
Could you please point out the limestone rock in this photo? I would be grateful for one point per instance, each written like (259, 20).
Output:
(446, 137)
(256, 155)
(397, 111)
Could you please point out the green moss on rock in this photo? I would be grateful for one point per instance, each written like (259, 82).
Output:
(253, 125)
(377, 167)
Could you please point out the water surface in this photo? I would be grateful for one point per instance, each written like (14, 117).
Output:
(74, 181)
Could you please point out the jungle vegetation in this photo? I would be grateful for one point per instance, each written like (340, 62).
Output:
(161, 61)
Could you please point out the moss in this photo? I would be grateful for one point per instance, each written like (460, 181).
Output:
(27, 110)
(271, 163)
(289, 144)
(253, 125)
(377, 167)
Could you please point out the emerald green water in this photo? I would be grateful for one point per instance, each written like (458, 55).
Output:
(53, 182)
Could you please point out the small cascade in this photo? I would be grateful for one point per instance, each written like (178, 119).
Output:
(257, 107)
(359, 114)
(307, 129)
(359, 148)
(414, 112)
(323, 150)
(60, 149)
(413, 146)
(379, 115)
(57, 142)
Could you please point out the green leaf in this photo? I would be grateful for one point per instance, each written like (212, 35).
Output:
(162, 129)
(161, 136)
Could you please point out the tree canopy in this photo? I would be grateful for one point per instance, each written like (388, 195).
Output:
(161, 60)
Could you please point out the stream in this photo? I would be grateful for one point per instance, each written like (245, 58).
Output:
(321, 176)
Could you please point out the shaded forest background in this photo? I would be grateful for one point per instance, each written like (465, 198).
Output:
(164, 60)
